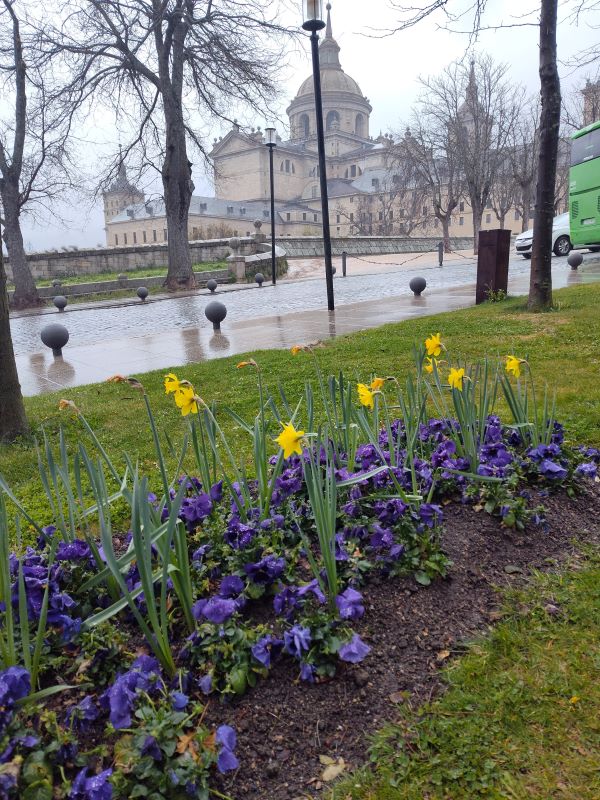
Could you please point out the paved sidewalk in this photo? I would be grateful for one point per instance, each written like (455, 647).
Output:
(135, 339)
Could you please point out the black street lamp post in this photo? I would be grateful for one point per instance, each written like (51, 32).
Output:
(271, 142)
(313, 21)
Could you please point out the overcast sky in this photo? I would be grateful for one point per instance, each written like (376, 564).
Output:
(387, 70)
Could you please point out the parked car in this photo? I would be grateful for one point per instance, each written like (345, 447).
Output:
(561, 238)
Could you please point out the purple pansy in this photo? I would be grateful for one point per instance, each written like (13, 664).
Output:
(265, 648)
(227, 739)
(551, 470)
(96, 787)
(354, 651)
(77, 550)
(297, 640)
(151, 748)
(588, 469)
(15, 684)
(266, 570)
(216, 609)
(231, 586)
(349, 604)
(179, 700)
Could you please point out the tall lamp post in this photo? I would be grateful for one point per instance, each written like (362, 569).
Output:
(313, 21)
(271, 142)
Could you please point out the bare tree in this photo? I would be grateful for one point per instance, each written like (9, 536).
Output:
(505, 190)
(436, 161)
(13, 421)
(540, 284)
(524, 154)
(164, 64)
(33, 135)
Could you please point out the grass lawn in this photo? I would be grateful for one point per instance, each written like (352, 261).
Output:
(562, 347)
(521, 717)
(142, 272)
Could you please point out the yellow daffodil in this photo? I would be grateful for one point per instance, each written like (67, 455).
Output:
(64, 404)
(513, 365)
(289, 440)
(365, 395)
(172, 383)
(455, 378)
(297, 348)
(377, 384)
(185, 399)
(433, 345)
(429, 362)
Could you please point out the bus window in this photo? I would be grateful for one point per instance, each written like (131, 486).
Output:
(586, 147)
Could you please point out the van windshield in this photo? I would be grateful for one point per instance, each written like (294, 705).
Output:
(585, 148)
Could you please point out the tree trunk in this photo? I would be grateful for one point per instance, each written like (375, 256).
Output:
(540, 284)
(477, 215)
(178, 188)
(445, 234)
(26, 293)
(13, 421)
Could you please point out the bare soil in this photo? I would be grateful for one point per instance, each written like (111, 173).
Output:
(284, 726)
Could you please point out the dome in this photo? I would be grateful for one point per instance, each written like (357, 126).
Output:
(345, 107)
(331, 81)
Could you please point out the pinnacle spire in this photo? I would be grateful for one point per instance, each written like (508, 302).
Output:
(328, 29)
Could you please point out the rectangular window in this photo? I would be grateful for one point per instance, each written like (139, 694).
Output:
(165, 235)
(154, 239)
(266, 213)
(144, 236)
(401, 212)
(230, 209)
(517, 215)
(391, 214)
(380, 216)
(337, 219)
(338, 230)
(116, 238)
(288, 216)
(124, 238)
(488, 204)
(134, 237)
(351, 217)
(461, 206)
(243, 211)
(352, 199)
(304, 216)
(315, 217)
(375, 183)
(488, 218)
(461, 220)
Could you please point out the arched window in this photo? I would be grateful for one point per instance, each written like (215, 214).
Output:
(304, 126)
(359, 125)
(333, 121)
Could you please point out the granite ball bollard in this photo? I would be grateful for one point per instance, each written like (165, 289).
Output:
(259, 278)
(60, 301)
(142, 293)
(211, 285)
(417, 286)
(215, 312)
(55, 336)
(575, 259)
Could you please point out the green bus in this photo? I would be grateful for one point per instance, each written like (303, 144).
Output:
(584, 187)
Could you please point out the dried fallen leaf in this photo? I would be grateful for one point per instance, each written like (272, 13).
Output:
(443, 655)
(326, 760)
(333, 771)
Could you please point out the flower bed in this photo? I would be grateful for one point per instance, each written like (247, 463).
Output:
(114, 642)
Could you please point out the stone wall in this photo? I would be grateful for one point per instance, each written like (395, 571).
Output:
(122, 259)
(307, 246)
(95, 287)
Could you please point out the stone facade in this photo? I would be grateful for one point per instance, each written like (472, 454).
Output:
(360, 175)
